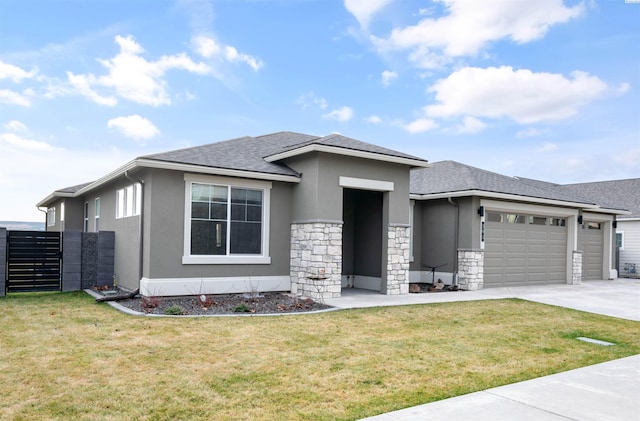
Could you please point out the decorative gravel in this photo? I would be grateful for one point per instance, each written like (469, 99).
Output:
(265, 303)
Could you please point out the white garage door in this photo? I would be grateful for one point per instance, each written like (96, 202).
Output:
(524, 249)
(591, 242)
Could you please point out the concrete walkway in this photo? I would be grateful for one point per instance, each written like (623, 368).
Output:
(607, 391)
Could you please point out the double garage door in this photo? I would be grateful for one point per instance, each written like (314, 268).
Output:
(524, 249)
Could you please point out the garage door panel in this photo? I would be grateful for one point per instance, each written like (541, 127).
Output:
(524, 254)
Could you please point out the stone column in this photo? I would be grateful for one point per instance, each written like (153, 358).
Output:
(576, 270)
(397, 260)
(471, 269)
(316, 259)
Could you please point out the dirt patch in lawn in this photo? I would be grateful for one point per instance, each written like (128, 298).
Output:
(263, 303)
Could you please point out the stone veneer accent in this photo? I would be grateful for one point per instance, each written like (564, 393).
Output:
(576, 273)
(470, 269)
(398, 255)
(316, 250)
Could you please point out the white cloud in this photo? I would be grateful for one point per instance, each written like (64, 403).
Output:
(15, 126)
(388, 77)
(469, 26)
(15, 73)
(8, 96)
(373, 119)
(342, 114)
(15, 141)
(628, 158)
(134, 126)
(420, 125)
(308, 99)
(470, 125)
(547, 147)
(520, 95)
(363, 10)
(132, 77)
(208, 48)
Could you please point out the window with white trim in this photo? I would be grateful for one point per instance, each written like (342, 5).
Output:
(128, 201)
(51, 217)
(620, 240)
(85, 217)
(225, 220)
(226, 223)
(96, 223)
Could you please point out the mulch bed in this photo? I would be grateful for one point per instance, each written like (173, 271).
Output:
(235, 304)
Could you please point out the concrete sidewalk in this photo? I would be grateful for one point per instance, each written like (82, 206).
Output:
(607, 391)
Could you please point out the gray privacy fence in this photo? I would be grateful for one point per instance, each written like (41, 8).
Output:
(86, 260)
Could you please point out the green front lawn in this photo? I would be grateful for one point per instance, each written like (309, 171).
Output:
(62, 356)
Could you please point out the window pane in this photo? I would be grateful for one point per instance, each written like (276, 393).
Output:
(208, 237)
(254, 213)
(238, 212)
(238, 196)
(254, 197)
(537, 220)
(246, 238)
(200, 192)
(200, 210)
(515, 219)
(219, 211)
(220, 194)
(593, 225)
(494, 217)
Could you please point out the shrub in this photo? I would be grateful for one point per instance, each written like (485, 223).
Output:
(242, 308)
(174, 310)
(149, 302)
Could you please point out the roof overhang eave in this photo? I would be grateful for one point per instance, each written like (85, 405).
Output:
(511, 197)
(347, 152)
(176, 166)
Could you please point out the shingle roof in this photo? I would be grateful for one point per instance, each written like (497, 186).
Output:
(451, 176)
(72, 189)
(343, 142)
(615, 194)
(249, 153)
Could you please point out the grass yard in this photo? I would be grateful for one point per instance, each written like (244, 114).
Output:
(62, 356)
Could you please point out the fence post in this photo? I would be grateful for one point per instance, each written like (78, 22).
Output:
(71, 261)
(3, 260)
(106, 253)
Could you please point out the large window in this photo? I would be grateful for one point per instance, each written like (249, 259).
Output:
(128, 201)
(226, 223)
(225, 220)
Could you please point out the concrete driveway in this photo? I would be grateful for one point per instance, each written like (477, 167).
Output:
(607, 391)
(617, 298)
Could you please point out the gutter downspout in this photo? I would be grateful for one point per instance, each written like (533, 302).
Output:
(141, 227)
(45, 217)
(455, 243)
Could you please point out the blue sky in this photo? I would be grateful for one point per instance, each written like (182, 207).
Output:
(536, 88)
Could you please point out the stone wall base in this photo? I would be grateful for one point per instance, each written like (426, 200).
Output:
(471, 269)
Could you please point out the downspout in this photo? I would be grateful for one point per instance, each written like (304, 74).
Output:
(141, 227)
(45, 217)
(455, 242)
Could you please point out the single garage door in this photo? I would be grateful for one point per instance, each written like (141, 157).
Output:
(524, 249)
(591, 242)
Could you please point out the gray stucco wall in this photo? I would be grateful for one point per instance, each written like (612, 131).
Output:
(74, 213)
(319, 196)
(434, 231)
(164, 229)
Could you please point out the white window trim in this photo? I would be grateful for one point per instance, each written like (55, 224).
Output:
(85, 217)
(621, 239)
(128, 201)
(265, 186)
(96, 215)
(51, 217)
